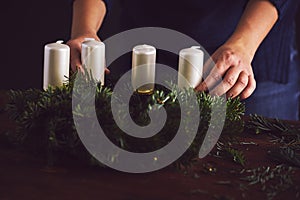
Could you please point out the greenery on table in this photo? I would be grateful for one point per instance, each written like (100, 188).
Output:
(273, 180)
(45, 123)
(287, 136)
(286, 152)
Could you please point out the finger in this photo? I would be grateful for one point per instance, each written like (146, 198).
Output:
(215, 76)
(107, 71)
(227, 83)
(75, 60)
(250, 88)
(208, 66)
(239, 86)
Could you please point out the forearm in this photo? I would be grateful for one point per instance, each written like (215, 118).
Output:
(232, 73)
(87, 17)
(258, 19)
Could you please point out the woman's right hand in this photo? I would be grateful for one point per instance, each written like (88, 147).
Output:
(75, 50)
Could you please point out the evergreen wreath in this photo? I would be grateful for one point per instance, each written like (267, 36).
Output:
(44, 119)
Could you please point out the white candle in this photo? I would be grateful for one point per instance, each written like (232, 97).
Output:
(93, 58)
(190, 67)
(56, 64)
(143, 68)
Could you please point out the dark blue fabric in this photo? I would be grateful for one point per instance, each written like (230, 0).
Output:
(212, 22)
(282, 6)
(277, 100)
(108, 4)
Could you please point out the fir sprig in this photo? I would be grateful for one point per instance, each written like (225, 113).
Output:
(272, 180)
(237, 156)
(286, 136)
(276, 126)
(224, 150)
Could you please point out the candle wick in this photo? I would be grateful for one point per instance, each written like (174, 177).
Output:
(59, 41)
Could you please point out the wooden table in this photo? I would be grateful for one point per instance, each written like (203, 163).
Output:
(24, 176)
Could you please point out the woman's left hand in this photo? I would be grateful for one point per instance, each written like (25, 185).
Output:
(230, 72)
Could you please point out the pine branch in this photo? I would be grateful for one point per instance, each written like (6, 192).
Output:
(288, 138)
(224, 150)
(286, 155)
(274, 126)
(273, 181)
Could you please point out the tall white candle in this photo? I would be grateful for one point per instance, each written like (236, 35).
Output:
(143, 68)
(190, 67)
(56, 64)
(93, 58)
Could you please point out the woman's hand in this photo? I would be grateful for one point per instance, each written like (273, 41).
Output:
(75, 51)
(231, 73)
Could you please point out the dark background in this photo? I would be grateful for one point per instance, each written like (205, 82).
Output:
(26, 26)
